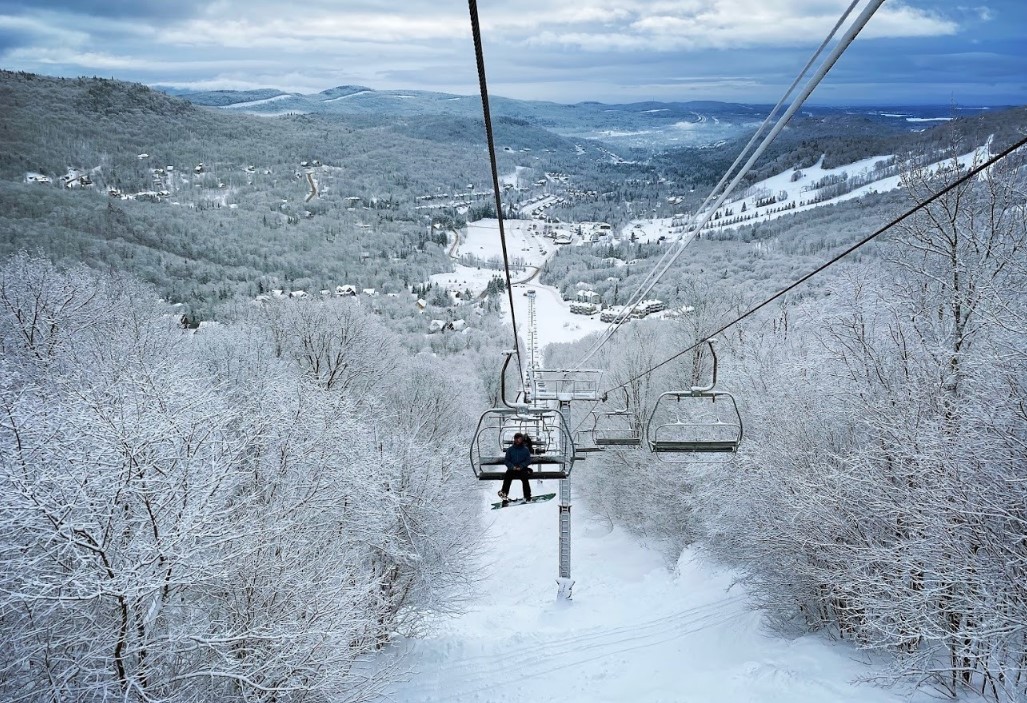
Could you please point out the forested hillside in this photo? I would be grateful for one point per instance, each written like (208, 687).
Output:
(209, 205)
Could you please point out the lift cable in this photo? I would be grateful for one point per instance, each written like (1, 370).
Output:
(635, 298)
(479, 56)
(667, 261)
(920, 206)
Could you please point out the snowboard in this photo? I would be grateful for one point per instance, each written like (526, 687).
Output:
(520, 501)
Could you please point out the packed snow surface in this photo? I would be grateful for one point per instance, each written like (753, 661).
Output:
(556, 323)
(254, 103)
(635, 630)
(347, 96)
(793, 191)
(523, 241)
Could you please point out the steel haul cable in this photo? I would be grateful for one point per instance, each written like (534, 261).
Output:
(480, 58)
(666, 262)
(632, 302)
(916, 208)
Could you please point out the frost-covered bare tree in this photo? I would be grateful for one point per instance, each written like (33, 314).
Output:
(337, 343)
(201, 516)
(882, 489)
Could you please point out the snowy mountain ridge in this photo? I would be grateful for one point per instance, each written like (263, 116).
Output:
(644, 125)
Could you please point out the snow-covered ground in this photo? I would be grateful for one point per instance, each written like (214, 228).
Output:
(513, 179)
(254, 103)
(793, 192)
(650, 230)
(636, 628)
(347, 97)
(523, 241)
(555, 321)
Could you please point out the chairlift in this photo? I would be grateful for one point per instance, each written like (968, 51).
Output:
(584, 444)
(552, 443)
(554, 384)
(616, 428)
(495, 432)
(700, 421)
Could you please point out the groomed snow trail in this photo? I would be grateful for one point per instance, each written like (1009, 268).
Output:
(634, 630)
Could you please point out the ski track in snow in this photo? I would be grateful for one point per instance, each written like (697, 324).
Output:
(636, 629)
(253, 103)
(798, 190)
(347, 96)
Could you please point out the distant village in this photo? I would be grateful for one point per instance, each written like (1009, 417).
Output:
(789, 191)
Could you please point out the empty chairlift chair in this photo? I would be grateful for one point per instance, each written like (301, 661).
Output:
(584, 444)
(554, 384)
(617, 428)
(700, 424)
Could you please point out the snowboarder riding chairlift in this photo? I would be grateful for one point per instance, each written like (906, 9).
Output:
(517, 458)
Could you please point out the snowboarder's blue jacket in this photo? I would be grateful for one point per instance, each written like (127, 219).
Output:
(517, 457)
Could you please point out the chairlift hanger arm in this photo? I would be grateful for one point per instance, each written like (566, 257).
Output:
(713, 382)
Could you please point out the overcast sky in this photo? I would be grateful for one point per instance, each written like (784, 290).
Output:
(913, 51)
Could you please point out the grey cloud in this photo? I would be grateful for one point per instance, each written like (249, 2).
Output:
(425, 44)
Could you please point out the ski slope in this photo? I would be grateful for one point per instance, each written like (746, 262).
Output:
(794, 191)
(636, 629)
(481, 238)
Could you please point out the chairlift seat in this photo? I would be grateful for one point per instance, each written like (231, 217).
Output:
(613, 441)
(695, 446)
(540, 475)
(550, 460)
(535, 459)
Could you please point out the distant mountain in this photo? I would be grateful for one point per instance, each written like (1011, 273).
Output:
(645, 124)
(229, 98)
(648, 125)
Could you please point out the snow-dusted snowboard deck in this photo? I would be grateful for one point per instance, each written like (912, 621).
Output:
(520, 501)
